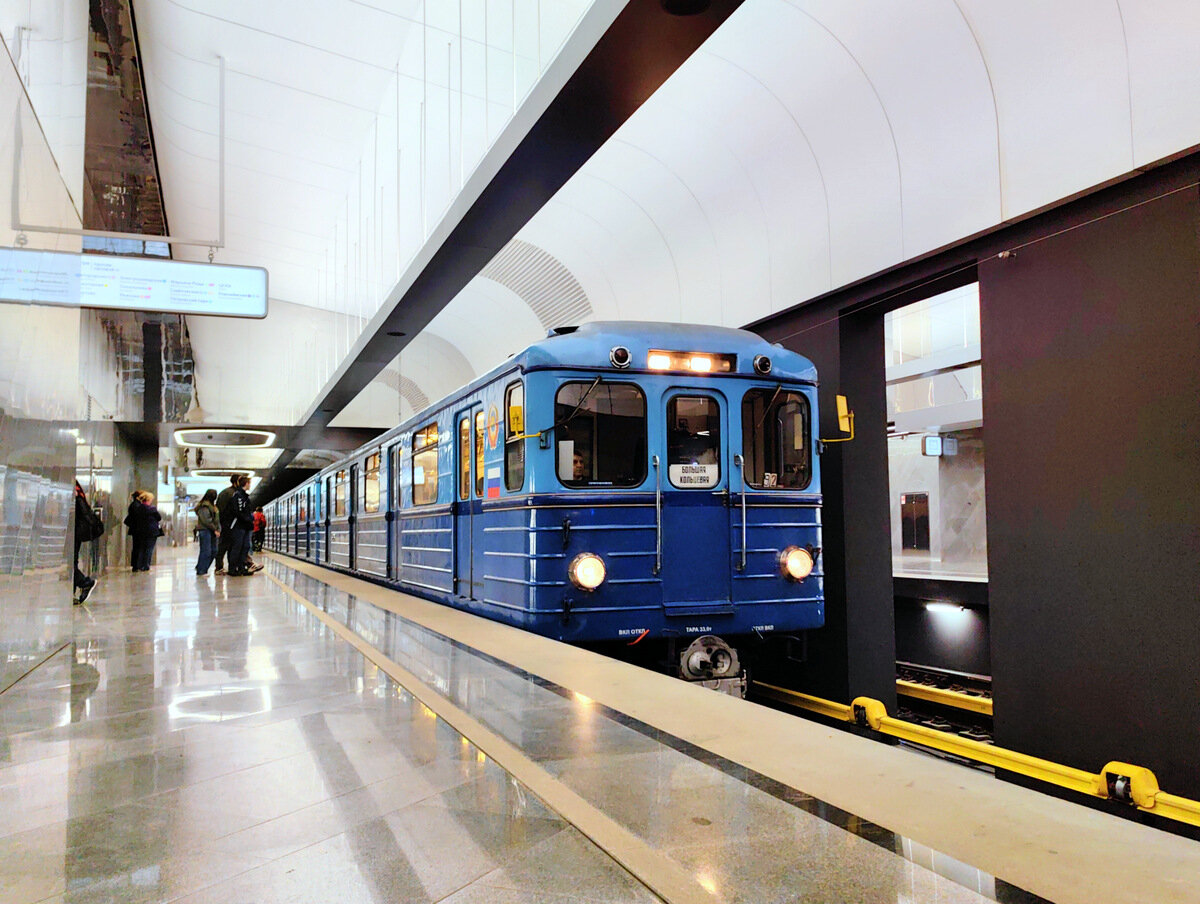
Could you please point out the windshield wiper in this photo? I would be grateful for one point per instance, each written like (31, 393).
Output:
(542, 434)
(571, 416)
(767, 410)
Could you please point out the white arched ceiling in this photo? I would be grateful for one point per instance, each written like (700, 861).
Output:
(807, 144)
(429, 368)
(350, 128)
(486, 324)
(811, 143)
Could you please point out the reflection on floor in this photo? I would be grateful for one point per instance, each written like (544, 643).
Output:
(922, 565)
(207, 740)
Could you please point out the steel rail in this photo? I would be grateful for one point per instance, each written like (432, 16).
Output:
(944, 697)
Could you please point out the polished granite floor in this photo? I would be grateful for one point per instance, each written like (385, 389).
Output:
(208, 740)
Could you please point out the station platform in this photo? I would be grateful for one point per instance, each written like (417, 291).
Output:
(301, 735)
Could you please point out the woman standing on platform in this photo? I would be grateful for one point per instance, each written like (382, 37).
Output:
(208, 529)
(143, 522)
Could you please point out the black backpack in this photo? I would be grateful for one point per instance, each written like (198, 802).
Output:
(88, 525)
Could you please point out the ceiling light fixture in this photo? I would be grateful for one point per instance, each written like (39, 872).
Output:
(224, 437)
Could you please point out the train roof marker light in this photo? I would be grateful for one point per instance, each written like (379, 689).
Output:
(693, 362)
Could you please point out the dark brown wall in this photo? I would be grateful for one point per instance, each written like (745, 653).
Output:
(1091, 369)
(1091, 394)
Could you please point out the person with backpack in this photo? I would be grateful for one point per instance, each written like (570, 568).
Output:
(242, 524)
(208, 530)
(225, 518)
(88, 527)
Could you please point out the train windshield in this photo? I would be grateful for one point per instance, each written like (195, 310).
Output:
(694, 442)
(775, 439)
(600, 434)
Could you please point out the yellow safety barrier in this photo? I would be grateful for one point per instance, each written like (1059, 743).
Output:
(1134, 785)
(944, 697)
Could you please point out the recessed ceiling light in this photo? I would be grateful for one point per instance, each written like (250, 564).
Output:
(228, 437)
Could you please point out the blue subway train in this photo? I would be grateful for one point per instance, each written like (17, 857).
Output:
(615, 483)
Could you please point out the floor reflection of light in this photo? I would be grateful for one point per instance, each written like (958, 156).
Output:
(707, 883)
(586, 701)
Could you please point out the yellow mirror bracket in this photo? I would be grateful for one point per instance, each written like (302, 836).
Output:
(845, 421)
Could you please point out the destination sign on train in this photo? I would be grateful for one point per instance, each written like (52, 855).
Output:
(131, 283)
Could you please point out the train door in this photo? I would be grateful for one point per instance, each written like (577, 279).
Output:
(393, 514)
(693, 476)
(468, 546)
(306, 519)
(352, 504)
(326, 510)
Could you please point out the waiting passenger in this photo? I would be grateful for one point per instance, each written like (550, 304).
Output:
(226, 521)
(242, 525)
(144, 523)
(260, 528)
(88, 527)
(208, 530)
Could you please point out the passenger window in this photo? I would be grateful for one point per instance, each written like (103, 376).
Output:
(339, 495)
(600, 439)
(480, 429)
(464, 458)
(425, 465)
(514, 442)
(775, 439)
(371, 484)
(694, 442)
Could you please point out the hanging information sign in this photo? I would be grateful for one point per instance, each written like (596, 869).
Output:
(131, 283)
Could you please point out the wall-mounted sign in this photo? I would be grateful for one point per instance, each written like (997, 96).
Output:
(131, 283)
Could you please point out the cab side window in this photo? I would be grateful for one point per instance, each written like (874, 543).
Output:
(425, 465)
(514, 442)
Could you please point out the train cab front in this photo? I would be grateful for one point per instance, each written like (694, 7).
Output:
(686, 500)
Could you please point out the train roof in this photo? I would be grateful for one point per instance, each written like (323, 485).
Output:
(589, 346)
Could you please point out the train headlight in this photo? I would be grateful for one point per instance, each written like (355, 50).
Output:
(587, 571)
(796, 563)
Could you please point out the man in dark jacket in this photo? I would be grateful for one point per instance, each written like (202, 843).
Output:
(242, 525)
(88, 526)
(226, 516)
